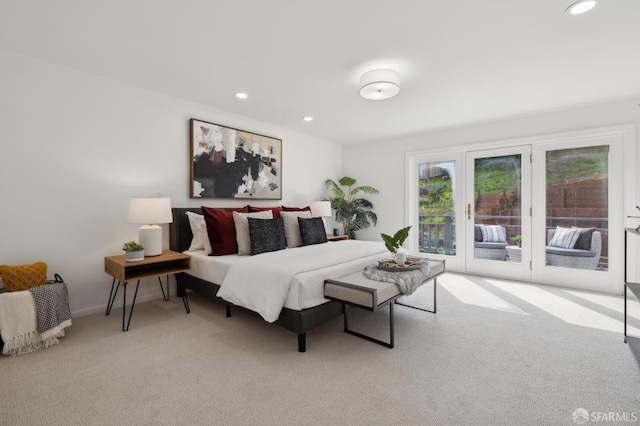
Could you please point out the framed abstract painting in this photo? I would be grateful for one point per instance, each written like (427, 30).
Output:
(232, 163)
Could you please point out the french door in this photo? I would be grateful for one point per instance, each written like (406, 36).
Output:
(520, 195)
(497, 217)
(578, 186)
(436, 208)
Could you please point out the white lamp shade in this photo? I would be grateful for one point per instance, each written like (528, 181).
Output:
(150, 210)
(320, 208)
(378, 85)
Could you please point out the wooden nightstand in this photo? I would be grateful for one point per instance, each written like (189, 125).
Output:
(169, 262)
(331, 237)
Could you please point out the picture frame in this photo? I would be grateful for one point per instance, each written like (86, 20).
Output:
(231, 163)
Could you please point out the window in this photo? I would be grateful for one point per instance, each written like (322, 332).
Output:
(577, 195)
(436, 205)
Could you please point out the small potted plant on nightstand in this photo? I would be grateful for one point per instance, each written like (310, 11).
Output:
(133, 251)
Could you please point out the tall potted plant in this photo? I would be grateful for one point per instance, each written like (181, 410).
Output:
(352, 212)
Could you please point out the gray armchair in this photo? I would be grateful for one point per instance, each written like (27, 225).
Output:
(486, 250)
(574, 258)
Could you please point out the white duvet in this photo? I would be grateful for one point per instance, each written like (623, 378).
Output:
(262, 283)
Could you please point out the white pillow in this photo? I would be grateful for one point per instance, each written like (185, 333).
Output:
(564, 237)
(292, 227)
(200, 239)
(493, 234)
(243, 238)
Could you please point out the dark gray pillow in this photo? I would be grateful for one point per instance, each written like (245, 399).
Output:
(312, 231)
(477, 233)
(266, 235)
(584, 240)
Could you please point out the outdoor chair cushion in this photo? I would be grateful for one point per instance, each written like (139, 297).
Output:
(477, 234)
(490, 245)
(570, 252)
(584, 240)
(493, 233)
(564, 237)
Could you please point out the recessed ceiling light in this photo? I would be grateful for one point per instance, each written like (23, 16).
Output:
(241, 95)
(581, 6)
(307, 118)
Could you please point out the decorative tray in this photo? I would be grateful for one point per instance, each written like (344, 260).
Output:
(391, 266)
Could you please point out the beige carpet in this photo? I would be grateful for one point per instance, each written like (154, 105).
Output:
(495, 353)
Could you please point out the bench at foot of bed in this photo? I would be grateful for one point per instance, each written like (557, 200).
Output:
(358, 291)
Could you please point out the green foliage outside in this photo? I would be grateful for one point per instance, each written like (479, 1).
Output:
(567, 165)
(438, 200)
(497, 174)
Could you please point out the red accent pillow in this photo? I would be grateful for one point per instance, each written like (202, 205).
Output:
(222, 229)
(275, 210)
(295, 209)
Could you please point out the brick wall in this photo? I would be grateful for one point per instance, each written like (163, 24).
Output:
(586, 198)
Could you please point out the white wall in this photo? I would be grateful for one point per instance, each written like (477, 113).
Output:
(382, 164)
(75, 147)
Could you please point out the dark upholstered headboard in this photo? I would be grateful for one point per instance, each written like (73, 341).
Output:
(180, 235)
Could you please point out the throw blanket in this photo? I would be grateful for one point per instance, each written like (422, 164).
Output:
(261, 283)
(19, 324)
(407, 281)
(52, 304)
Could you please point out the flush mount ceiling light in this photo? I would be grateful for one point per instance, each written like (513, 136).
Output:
(307, 118)
(378, 85)
(581, 6)
(241, 95)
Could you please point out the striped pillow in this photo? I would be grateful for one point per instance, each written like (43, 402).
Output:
(493, 234)
(564, 237)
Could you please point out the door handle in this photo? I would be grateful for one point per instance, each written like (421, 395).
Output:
(469, 211)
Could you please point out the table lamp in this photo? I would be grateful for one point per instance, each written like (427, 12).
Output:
(150, 212)
(321, 209)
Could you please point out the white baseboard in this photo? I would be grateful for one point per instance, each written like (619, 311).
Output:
(118, 304)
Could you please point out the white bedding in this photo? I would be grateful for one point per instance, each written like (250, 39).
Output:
(291, 278)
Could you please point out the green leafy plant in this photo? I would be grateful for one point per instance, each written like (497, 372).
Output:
(395, 242)
(354, 213)
(517, 239)
(132, 246)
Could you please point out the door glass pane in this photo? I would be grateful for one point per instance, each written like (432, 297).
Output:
(497, 207)
(577, 196)
(436, 186)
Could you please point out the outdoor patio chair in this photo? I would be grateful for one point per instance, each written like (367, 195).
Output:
(488, 250)
(573, 257)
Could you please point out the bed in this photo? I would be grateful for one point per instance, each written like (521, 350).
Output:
(304, 308)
